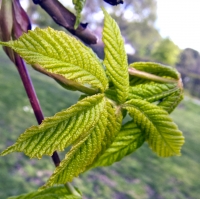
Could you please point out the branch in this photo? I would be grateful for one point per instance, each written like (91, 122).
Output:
(26, 80)
(25, 77)
(114, 2)
(65, 18)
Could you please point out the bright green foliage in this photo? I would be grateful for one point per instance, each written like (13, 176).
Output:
(112, 129)
(156, 69)
(115, 57)
(93, 126)
(59, 53)
(59, 192)
(61, 130)
(160, 131)
(81, 154)
(79, 4)
(151, 91)
(127, 141)
(171, 102)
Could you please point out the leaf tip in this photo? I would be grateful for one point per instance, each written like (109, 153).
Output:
(10, 149)
(104, 12)
(4, 43)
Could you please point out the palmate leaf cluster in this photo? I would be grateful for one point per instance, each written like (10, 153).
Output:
(92, 128)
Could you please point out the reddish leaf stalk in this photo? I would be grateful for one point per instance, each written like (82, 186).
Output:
(28, 85)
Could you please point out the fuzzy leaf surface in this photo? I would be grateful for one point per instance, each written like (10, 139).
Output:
(126, 142)
(161, 133)
(113, 127)
(151, 91)
(59, 192)
(58, 53)
(79, 4)
(81, 154)
(115, 57)
(171, 102)
(61, 130)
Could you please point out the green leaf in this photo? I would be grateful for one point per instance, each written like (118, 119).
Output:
(126, 142)
(151, 91)
(171, 102)
(114, 122)
(81, 154)
(59, 53)
(79, 4)
(156, 69)
(115, 57)
(146, 72)
(160, 131)
(59, 192)
(61, 130)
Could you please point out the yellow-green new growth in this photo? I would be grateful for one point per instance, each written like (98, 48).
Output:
(58, 53)
(160, 131)
(61, 130)
(79, 4)
(81, 155)
(115, 57)
(59, 192)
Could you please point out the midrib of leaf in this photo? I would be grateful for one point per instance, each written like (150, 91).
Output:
(154, 127)
(50, 48)
(61, 130)
(157, 69)
(115, 57)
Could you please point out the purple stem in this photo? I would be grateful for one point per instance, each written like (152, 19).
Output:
(30, 91)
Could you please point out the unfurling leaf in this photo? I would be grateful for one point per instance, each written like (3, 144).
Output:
(156, 69)
(79, 4)
(151, 91)
(160, 131)
(146, 72)
(81, 154)
(170, 102)
(126, 142)
(115, 57)
(59, 192)
(58, 53)
(61, 130)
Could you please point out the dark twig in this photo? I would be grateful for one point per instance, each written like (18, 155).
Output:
(65, 18)
(25, 77)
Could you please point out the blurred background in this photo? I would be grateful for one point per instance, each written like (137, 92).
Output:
(165, 31)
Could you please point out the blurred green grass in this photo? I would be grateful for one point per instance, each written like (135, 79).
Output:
(141, 175)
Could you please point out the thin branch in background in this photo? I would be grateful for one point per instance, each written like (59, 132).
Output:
(63, 17)
(30, 91)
